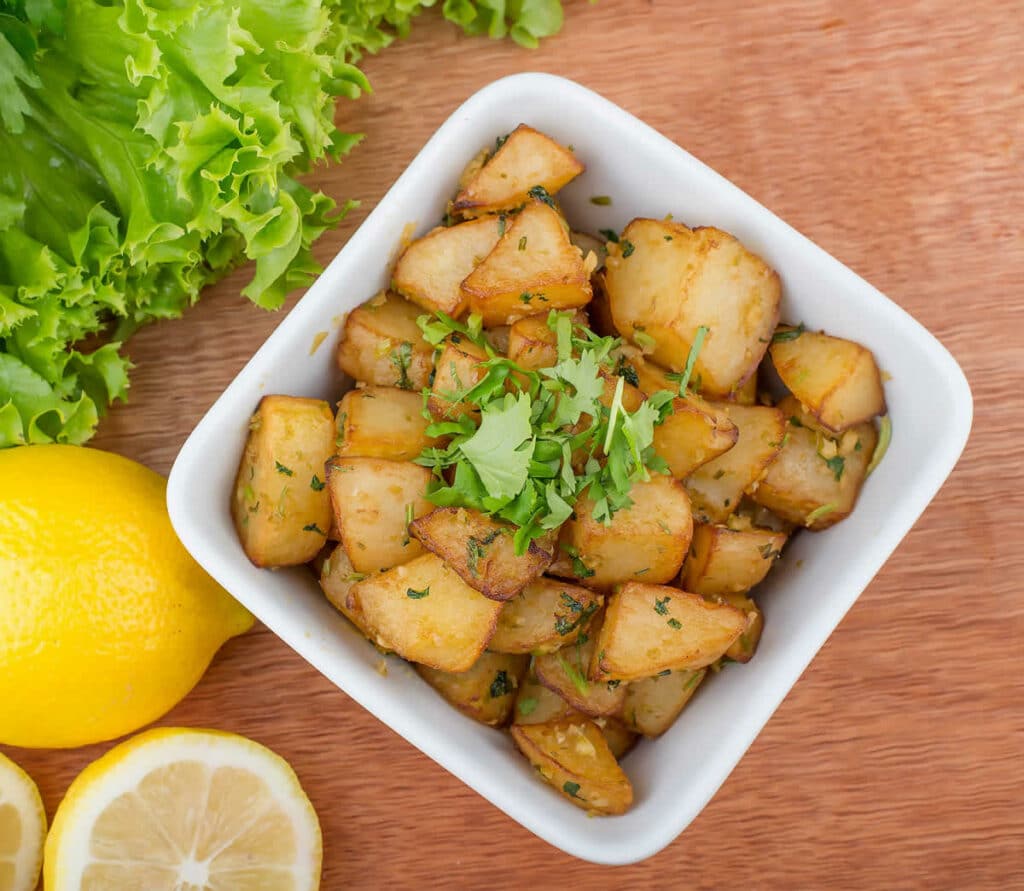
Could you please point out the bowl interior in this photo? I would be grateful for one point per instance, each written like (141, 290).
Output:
(805, 596)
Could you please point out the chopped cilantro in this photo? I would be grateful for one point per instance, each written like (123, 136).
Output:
(572, 790)
(316, 484)
(719, 473)
(794, 421)
(501, 685)
(691, 359)
(788, 334)
(476, 550)
(413, 594)
(526, 706)
(401, 357)
(609, 235)
(600, 200)
(664, 674)
(626, 371)
(818, 513)
(539, 193)
(836, 465)
(502, 222)
(627, 248)
(613, 685)
(280, 468)
(660, 606)
(499, 142)
(643, 339)
(574, 675)
(522, 243)
(571, 602)
(693, 681)
(675, 624)
(312, 527)
(768, 552)
(579, 568)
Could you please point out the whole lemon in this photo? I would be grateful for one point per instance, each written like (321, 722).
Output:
(106, 622)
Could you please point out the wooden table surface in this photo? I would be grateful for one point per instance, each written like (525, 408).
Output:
(892, 135)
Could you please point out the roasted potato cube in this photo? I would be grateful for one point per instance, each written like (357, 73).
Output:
(532, 344)
(486, 692)
(619, 737)
(536, 704)
(743, 648)
(729, 561)
(646, 540)
(382, 422)
(653, 704)
(717, 486)
(695, 433)
(279, 505)
(665, 281)
(547, 614)
(337, 576)
(837, 380)
(382, 345)
(746, 393)
(649, 628)
(651, 377)
(458, 368)
(565, 672)
(424, 612)
(814, 480)
(431, 269)
(481, 550)
(574, 757)
(526, 159)
(534, 268)
(374, 501)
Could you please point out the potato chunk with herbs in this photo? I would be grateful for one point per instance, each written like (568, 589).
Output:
(693, 434)
(482, 551)
(729, 561)
(717, 486)
(431, 269)
(381, 344)
(374, 501)
(836, 380)
(546, 614)
(523, 160)
(653, 704)
(424, 612)
(536, 704)
(458, 368)
(279, 505)
(665, 281)
(647, 540)
(486, 692)
(743, 648)
(534, 268)
(382, 422)
(650, 628)
(574, 757)
(337, 577)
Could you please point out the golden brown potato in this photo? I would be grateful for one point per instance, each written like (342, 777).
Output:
(729, 561)
(653, 704)
(814, 480)
(647, 540)
(524, 160)
(536, 704)
(382, 422)
(532, 344)
(743, 648)
(591, 244)
(565, 672)
(426, 613)
(534, 268)
(547, 614)
(381, 344)
(458, 368)
(486, 692)
(481, 550)
(837, 380)
(574, 757)
(431, 269)
(717, 486)
(337, 576)
(746, 393)
(374, 500)
(279, 505)
(665, 281)
(619, 737)
(649, 628)
(695, 433)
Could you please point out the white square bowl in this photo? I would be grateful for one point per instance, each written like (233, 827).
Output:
(807, 594)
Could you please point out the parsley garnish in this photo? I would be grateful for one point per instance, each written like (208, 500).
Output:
(501, 685)
(624, 370)
(609, 235)
(476, 550)
(571, 602)
(312, 527)
(541, 194)
(660, 605)
(794, 421)
(836, 465)
(401, 357)
(627, 248)
(600, 200)
(663, 674)
(413, 594)
(316, 484)
(499, 142)
(790, 334)
(768, 552)
(675, 624)
(280, 468)
(579, 568)
(571, 789)
(613, 685)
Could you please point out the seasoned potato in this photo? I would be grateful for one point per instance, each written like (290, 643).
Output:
(574, 757)
(729, 561)
(647, 540)
(382, 422)
(374, 500)
(814, 480)
(565, 672)
(837, 380)
(717, 486)
(424, 612)
(746, 393)
(547, 614)
(533, 268)
(481, 550)
(649, 628)
(536, 704)
(381, 344)
(653, 704)
(743, 648)
(619, 737)
(458, 369)
(665, 280)
(532, 344)
(486, 692)
(591, 244)
(695, 433)
(524, 160)
(337, 577)
(279, 506)
(431, 269)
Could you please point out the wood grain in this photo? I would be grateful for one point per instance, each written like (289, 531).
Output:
(892, 135)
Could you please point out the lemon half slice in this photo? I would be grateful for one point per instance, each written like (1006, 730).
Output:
(192, 809)
(22, 829)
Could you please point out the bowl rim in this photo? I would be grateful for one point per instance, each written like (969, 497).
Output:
(186, 473)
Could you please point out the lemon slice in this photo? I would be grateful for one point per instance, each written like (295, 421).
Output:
(22, 829)
(185, 810)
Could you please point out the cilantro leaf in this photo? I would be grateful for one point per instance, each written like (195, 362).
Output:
(496, 449)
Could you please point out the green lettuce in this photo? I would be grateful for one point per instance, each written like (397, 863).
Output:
(150, 147)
